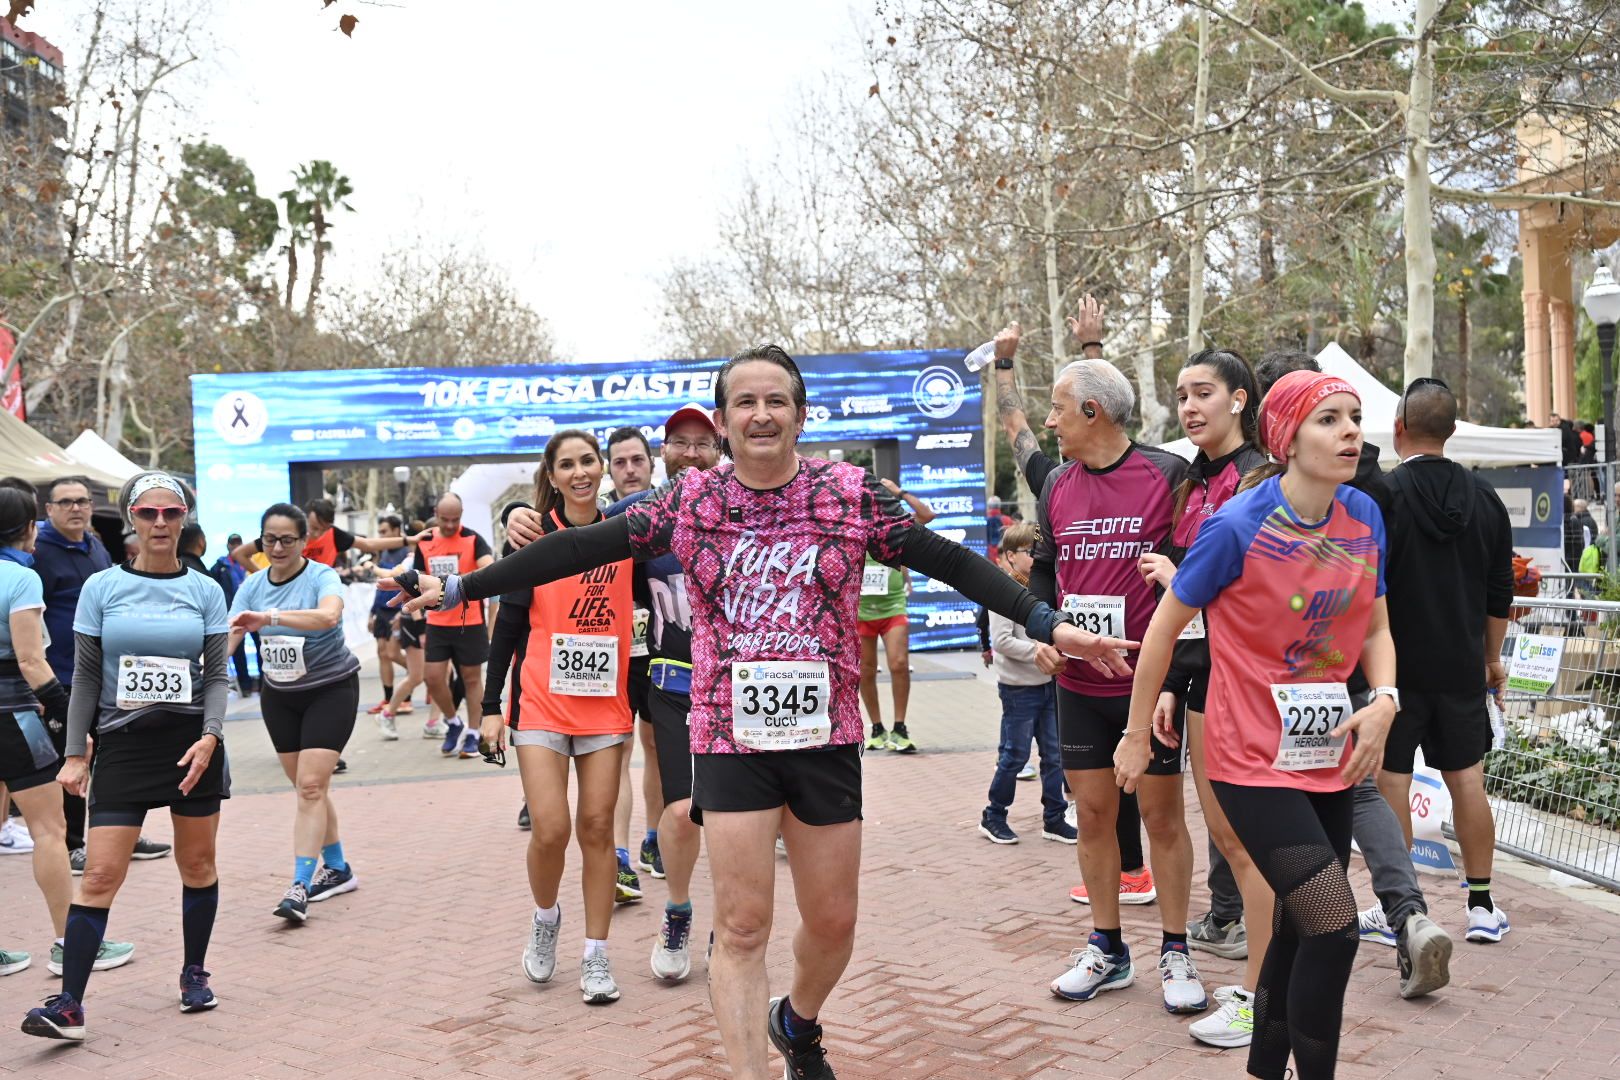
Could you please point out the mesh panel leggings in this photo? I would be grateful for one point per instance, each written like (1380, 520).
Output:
(1301, 843)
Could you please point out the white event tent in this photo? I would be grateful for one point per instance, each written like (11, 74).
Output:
(93, 450)
(1473, 444)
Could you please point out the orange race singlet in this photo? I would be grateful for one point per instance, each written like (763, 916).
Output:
(445, 555)
(575, 667)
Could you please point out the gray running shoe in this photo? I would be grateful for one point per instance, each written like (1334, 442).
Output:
(672, 954)
(540, 954)
(596, 980)
(1423, 954)
(1230, 941)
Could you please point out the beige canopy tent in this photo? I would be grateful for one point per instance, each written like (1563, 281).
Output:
(26, 453)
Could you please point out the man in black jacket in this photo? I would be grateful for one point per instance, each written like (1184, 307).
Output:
(1450, 580)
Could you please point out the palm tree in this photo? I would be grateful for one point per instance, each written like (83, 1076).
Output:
(298, 221)
(321, 189)
(1463, 271)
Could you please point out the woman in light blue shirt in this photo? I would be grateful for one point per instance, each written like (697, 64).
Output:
(149, 676)
(33, 718)
(311, 693)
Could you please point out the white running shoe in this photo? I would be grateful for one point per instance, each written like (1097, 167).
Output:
(1071, 817)
(387, 728)
(596, 980)
(1183, 992)
(1027, 772)
(540, 954)
(672, 955)
(14, 838)
(433, 730)
(1375, 927)
(1091, 972)
(1487, 924)
(1229, 1026)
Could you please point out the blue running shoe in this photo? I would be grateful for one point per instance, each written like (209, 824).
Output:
(60, 1017)
(649, 860)
(469, 746)
(452, 740)
(194, 993)
(1092, 971)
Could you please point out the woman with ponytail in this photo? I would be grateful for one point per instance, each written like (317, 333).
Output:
(568, 647)
(150, 678)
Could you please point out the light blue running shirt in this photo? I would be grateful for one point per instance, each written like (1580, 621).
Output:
(21, 590)
(298, 659)
(152, 616)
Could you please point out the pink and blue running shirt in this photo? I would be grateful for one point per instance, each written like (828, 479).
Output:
(1290, 602)
(1096, 524)
(771, 575)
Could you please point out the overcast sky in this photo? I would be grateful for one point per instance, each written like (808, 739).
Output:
(580, 146)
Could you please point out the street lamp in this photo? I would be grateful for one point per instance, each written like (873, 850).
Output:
(1602, 304)
(402, 477)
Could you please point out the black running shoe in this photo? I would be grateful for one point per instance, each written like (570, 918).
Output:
(294, 906)
(523, 818)
(806, 1060)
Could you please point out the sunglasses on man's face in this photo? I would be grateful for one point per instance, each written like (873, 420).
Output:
(153, 513)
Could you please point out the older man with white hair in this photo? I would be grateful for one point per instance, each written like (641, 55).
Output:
(1108, 504)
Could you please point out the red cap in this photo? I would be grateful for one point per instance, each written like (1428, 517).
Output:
(691, 411)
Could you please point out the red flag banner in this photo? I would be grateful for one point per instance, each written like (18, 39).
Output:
(11, 396)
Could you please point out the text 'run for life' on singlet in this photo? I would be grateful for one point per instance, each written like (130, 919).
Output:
(774, 582)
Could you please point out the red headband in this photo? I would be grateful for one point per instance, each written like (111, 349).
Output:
(1291, 400)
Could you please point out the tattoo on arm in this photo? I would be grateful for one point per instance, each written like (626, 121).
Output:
(1007, 396)
(1024, 448)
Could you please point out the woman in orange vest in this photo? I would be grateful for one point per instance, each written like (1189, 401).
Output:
(569, 646)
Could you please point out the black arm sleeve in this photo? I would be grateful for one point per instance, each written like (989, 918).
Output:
(511, 627)
(556, 555)
(85, 700)
(976, 578)
(1036, 470)
(1043, 572)
(982, 621)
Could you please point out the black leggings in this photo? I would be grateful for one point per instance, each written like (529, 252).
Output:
(1300, 841)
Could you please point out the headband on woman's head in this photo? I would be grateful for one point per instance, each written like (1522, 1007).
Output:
(1288, 404)
(152, 481)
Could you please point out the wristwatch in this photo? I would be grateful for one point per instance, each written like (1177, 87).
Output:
(1004, 363)
(1391, 692)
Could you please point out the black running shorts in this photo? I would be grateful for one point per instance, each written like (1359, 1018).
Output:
(1454, 730)
(321, 718)
(466, 646)
(820, 787)
(672, 741)
(1090, 728)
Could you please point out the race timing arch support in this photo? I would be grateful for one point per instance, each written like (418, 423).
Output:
(265, 437)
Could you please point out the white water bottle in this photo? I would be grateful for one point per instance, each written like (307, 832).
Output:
(980, 358)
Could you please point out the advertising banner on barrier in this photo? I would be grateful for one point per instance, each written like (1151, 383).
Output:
(1534, 497)
(250, 428)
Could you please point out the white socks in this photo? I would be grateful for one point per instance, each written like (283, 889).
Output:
(594, 946)
(551, 916)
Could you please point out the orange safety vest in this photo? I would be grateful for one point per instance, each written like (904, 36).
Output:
(597, 603)
(459, 547)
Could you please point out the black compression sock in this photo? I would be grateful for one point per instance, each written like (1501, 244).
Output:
(1173, 939)
(388, 692)
(1479, 892)
(86, 926)
(197, 909)
(877, 729)
(899, 729)
(1114, 937)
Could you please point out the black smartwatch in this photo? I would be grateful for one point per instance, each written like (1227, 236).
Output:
(1004, 363)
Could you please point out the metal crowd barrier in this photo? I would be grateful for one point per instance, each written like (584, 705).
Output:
(1554, 778)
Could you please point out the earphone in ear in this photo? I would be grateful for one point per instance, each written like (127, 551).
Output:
(1091, 414)
(1237, 407)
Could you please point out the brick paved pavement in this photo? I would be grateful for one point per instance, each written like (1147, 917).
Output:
(417, 973)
